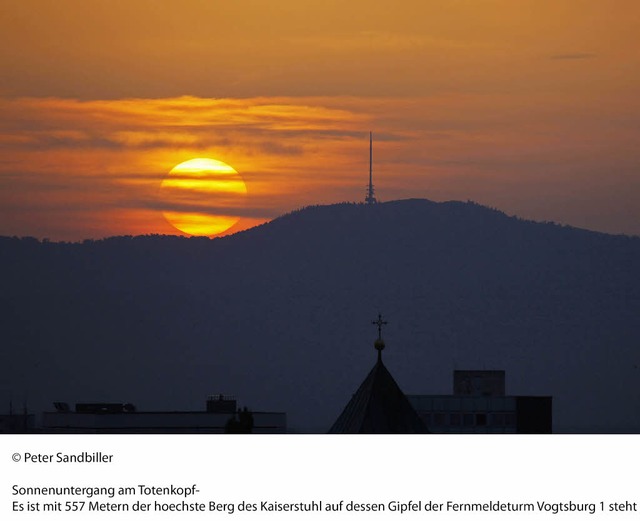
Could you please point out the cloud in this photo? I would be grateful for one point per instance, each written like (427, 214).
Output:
(128, 124)
(206, 209)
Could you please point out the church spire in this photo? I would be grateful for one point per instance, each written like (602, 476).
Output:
(378, 406)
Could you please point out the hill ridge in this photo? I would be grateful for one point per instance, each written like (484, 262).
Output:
(280, 315)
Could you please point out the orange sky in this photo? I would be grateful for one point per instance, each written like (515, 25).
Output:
(528, 106)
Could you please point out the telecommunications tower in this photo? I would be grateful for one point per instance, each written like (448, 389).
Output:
(370, 199)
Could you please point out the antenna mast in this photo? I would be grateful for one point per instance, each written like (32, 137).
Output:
(370, 199)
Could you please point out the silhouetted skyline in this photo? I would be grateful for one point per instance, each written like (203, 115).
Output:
(163, 321)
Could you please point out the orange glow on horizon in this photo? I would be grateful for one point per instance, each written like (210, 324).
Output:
(75, 169)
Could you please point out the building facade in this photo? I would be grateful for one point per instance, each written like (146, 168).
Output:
(221, 415)
(17, 423)
(479, 405)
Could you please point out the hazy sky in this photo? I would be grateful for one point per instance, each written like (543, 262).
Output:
(530, 106)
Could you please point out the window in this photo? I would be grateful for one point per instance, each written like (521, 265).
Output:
(497, 419)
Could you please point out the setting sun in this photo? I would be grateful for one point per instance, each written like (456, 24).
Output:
(202, 196)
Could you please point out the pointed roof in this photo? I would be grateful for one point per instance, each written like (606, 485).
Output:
(379, 407)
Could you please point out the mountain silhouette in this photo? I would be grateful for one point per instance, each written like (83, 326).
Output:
(280, 315)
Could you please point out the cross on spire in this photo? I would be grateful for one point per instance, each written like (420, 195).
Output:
(379, 343)
(379, 323)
